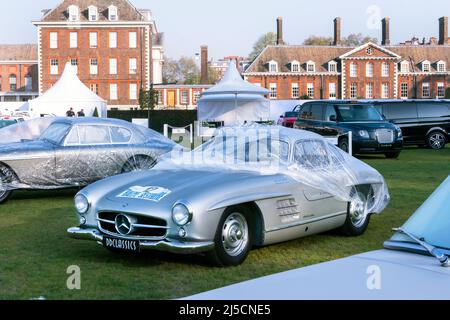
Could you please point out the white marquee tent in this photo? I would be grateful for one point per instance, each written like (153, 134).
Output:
(68, 92)
(234, 100)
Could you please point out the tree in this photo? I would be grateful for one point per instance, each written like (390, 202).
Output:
(184, 71)
(357, 39)
(318, 41)
(265, 40)
(148, 98)
(189, 70)
(354, 39)
(171, 71)
(213, 75)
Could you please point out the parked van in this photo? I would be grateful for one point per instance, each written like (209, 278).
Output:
(371, 132)
(423, 122)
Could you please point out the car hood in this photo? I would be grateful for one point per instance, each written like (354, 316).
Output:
(176, 185)
(12, 150)
(368, 125)
(375, 275)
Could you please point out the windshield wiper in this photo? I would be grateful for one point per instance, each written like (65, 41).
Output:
(435, 252)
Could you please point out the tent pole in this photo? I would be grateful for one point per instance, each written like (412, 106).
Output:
(235, 108)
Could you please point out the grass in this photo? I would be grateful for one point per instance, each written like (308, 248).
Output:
(35, 251)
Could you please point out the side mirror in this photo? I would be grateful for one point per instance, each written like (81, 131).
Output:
(333, 118)
(282, 116)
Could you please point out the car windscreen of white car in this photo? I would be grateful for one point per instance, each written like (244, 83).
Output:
(431, 222)
(311, 154)
(230, 149)
(55, 133)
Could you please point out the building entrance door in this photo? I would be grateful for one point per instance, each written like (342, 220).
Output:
(171, 102)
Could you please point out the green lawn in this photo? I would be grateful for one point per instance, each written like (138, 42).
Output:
(35, 250)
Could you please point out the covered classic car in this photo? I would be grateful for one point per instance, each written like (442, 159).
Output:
(414, 265)
(74, 152)
(248, 186)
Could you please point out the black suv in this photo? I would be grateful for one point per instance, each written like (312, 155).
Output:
(371, 132)
(423, 122)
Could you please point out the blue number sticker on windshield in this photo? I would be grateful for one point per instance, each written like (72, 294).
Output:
(149, 193)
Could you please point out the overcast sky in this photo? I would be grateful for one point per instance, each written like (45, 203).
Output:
(231, 27)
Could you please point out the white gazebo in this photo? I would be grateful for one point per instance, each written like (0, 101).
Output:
(68, 92)
(234, 100)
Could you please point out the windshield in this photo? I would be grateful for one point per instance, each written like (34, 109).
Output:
(55, 133)
(350, 113)
(431, 222)
(231, 149)
(291, 114)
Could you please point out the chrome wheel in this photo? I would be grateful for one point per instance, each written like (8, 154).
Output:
(235, 234)
(436, 140)
(358, 210)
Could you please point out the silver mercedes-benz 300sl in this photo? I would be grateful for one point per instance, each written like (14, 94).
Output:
(74, 152)
(248, 186)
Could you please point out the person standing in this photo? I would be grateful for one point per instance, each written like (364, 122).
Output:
(70, 113)
(81, 113)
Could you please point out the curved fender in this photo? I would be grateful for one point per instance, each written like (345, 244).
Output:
(247, 198)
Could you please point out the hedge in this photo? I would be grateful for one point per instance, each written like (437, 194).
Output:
(175, 118)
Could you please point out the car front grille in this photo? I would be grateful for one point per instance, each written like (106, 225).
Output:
(385, 135)
(141, 227)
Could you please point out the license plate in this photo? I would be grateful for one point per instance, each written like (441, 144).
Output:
(385, 145)
(121, 244)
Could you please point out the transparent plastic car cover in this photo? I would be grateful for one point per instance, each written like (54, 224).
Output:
(301, 155)
(50, 153)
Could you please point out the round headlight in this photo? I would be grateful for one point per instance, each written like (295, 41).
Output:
(81, 203)
(181, 214)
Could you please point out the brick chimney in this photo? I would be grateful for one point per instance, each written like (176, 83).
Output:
(337, 31)
(204, 78)
(280, 40)
(385, 26)
(443, 30)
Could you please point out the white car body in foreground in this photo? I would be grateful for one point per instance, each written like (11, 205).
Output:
(406, 271)
(401, 275)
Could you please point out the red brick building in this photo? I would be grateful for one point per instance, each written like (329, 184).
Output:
(18, 72)
(110, 42)
(369, 71)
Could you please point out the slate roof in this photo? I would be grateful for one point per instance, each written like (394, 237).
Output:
(126, 11)
(321, 55)
(18, 52)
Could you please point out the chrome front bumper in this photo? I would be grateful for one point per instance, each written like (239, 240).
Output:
(164, 245)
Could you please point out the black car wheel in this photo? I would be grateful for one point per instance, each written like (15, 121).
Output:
(233, 239)
(343, 144)
(139, 163)
(6, 177)
(392, 155)
(436, 140)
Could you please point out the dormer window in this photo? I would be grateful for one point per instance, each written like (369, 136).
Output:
(295, 66)
(426, 66)
(74, 13)
(112, 13)
(310, 66)
(440, 66)
(332, 66)
(273, 66)
(93, 13)
(404, 67)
